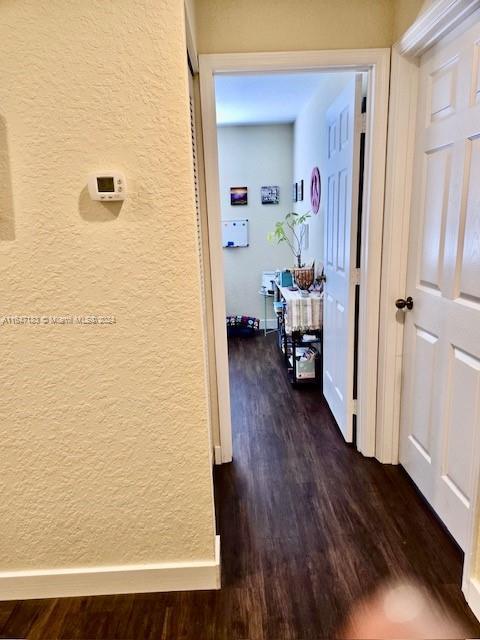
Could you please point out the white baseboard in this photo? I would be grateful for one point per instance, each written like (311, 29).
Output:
(271, 323)
(218, 454)
(94, 581)
(472, 596)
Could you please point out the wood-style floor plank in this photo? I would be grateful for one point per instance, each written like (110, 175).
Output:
(308, 526)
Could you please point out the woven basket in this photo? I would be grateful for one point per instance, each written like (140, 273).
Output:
(304, 277)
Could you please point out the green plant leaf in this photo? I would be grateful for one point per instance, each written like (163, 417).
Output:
(284, 231)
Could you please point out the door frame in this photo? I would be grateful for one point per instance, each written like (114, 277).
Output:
(376, 62)
(434, 22)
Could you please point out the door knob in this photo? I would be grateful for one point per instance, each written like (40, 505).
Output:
(401, 303)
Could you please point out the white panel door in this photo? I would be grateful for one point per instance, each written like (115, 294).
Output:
(439, 444)
(340, 184)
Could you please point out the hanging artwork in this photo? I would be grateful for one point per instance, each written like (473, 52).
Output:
(270, 195)
(238, 196)
(300, 191)
(295, 192)
(315, 190)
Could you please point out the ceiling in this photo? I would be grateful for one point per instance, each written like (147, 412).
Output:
(265, 98)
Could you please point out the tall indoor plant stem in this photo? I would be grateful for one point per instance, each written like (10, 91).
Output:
(294, 224)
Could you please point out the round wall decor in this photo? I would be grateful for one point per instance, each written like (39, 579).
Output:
(315, 189)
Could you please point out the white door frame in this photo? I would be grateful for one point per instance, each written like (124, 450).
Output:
(376, 62)
(434, 22)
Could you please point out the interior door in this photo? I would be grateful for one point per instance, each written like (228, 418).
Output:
(341, 184)
(440, 424)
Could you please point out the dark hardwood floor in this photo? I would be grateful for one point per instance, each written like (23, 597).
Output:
(307, 525)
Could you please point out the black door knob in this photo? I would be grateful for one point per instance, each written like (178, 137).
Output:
(401, 303)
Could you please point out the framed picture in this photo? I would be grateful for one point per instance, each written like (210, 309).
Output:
(315, 189)
(238, 196)
(270, 195)
(300, 191)
(295, 192)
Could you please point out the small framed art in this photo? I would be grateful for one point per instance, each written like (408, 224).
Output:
(238, 196)
(300, 191)
(270, 195)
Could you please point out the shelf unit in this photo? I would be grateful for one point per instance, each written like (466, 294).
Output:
(290, 343)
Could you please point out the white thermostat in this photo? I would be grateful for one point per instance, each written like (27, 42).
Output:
(107, 185)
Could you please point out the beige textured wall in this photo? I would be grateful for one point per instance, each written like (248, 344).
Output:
(282, 25)
(405, 14)
(105, 454)
(225, 26)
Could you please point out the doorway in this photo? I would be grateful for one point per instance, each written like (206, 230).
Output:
(294, 142)
(375, 66)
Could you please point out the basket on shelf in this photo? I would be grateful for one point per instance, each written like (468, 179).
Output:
(304, 277)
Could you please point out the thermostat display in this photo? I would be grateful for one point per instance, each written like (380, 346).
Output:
(107, 185)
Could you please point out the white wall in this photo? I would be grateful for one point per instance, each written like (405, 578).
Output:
(309, 151)
(254, 156)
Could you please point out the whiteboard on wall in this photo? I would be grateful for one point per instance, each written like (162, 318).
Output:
(234, 233)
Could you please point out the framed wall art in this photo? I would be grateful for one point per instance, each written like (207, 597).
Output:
(300, 191)
(238, 196)
(315, 190)
(270, 195)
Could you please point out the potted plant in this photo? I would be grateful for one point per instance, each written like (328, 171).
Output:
(291, 230)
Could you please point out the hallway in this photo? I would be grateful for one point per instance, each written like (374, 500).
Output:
(307, 526)
(318, 524)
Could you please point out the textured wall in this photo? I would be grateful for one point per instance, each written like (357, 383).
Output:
(405, 14)
(105, 444)
(282, 25)
(254, 156)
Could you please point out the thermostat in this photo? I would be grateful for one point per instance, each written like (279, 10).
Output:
(107, 185)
